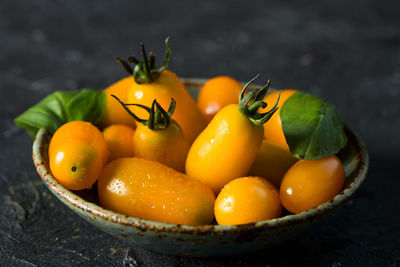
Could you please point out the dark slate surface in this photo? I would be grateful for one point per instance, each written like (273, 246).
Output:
(348, 53)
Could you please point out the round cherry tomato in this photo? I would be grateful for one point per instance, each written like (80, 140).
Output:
(76, 164)
(309, 183)
(246, 200)
(273, 127)
(119, 140)
(217, 93)
(77, 154)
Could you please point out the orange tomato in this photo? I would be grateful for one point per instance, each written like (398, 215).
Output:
(77, 154)
(150, 190)
(159, 137)
(166, 146)
(217, 93)
(151, 83)
(273, 128)
(225, 150)
(309, 183)
(247, 200)
(272, 162)
(165, 87)
(114, 113)
(119, 139)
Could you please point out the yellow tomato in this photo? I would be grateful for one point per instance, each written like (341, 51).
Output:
(225, 150)
(273, 127)
(272, 162)
(166, 146)
(165, 87)
(76, 164)
(217, 93)
(77, 154)
(309, 183)
(119, 139)
(247, 200)
(114, 113)
(152, 191)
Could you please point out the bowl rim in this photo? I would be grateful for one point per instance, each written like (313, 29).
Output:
(66, 195)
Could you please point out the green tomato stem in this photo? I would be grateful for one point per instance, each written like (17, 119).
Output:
(158, 119)
(144, 71)
(250, 103)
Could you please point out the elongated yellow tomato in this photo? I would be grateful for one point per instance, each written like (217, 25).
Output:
(150, 190)
(159, 137)
(161, 84)
(247, 200)
(226, 149)
(273, 128)
(309, 183)
(272, 162)
(114, 113)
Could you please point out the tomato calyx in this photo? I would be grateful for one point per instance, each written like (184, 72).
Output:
(250, 102)
(144, 71)
(159, 118)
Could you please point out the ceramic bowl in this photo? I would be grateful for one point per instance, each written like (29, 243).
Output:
(207, 240)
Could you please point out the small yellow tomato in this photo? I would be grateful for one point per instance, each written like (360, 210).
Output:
(217, 93)
(272, 162)
(273, 127)
(119, 139)
(309, 183)
(77, 154)
(114, 113)
(166, 146)
(76, 164)
(247, 200)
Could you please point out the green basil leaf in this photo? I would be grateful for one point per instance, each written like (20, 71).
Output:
(61, 107)
(312, 127)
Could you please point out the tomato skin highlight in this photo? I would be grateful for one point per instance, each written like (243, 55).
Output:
(225, 150)
(272, 162)
(217, 93)
(119, 139)
(166, 146)
(167, 86)
(247, 200)
(77, 154)
(309, 183)
(152, 191)
(273, 127)
(114, 113)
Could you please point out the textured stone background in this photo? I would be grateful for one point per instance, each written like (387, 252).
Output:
(345, 51)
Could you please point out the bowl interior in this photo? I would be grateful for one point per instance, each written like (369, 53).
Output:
(354, 157)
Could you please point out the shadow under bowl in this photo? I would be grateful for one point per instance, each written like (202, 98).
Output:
(207, 240)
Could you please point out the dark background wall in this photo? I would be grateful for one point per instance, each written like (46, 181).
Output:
(347, 52)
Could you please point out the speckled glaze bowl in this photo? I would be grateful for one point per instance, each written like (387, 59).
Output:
(207, 240)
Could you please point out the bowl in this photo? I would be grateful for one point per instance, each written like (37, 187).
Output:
(207, 240)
